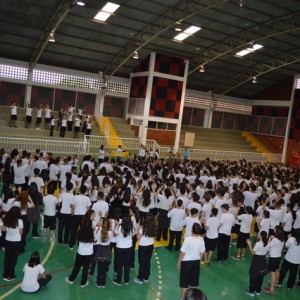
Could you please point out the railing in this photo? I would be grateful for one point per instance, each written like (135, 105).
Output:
(54, 146)
(91, 144)
(199, 154)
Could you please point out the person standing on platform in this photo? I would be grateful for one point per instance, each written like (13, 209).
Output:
(38, 117)
(63, 126)
(142, 152)
(28, 116)
(101, 155)
(13, 114)
(47, 117)
(88, 129)
(191, 253)
(77, 124)
(70, 121)
(52, 125)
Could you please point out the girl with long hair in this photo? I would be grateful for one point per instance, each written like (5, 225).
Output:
(145, 234)
(275, 246)
(103, 254)
(85, 237)
(258, 267)
(32, 270)
(13, 225)
(123, 249)
(143, 204)
(24, 201)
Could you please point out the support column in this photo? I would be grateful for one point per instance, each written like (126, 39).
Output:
(178, 127)
(144, 126)
(99, 104)
(28, 88)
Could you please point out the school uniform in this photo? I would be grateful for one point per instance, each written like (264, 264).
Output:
(103, 256)
(275, 249)
(83, 259)
(52, 125)
(64, 220)
(63, 128)
(82, 203)
(177, 216)
(12, 247)
(258, 267)
(226, 220)
(193, 247)
(31, 283)
(146, 246)
(123, 253)
(244, 234)
(28, 115)
(38, 117)
(188, 222)
(288, 223)
(290, 263)
(163, 220)
(211, 236)
(13, 116)
(50, 203)
(47, 115)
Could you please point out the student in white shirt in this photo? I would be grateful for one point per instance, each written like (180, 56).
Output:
(50, 202)
(52, 125)
(38, 180)
(191, 253)
(28, 115)
(13, 115)
(38, 117)
(13, 225)
(275, 246)
(145, 235)
(85, 237)
(47, 117)
(77, 124)
(103, 254)
(291, 261)
(124, 234)
(189, 221)
(63, 126)
(177, 216)
(80, 205)
(226, 223)
(32, 270)
(64, 221)
(288, 221)
(244, 234)
(211, 237)
(100, 207)
(101, 155)
(258, 267)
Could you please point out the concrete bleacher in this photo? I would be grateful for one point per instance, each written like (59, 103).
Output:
(32, 132)
(217, 139)
(122, 128)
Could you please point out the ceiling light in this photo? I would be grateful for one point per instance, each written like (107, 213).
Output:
(241, 3)
(135, 55)
(108, 9)
(201, 69)
(249, 49)
(51, 37)
(186, 33)
(80, 3)
(178, 29)
(254, 79)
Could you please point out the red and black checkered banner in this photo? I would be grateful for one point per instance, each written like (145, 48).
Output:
(165, 98)
(169, 65)
(138, 87)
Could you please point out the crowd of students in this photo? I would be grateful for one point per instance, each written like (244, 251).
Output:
(71, 119)
(108, 206)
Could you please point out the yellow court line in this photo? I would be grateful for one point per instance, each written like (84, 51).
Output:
(43, 262)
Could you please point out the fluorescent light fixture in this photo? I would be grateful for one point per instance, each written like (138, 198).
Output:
(102, 16)
(135, 55)
(254, 79)
(108, 9)
(201, 69)
(51, 37)
(248, 50)
(193, 29)
(186, 33)
(80, 3)
(178, 29)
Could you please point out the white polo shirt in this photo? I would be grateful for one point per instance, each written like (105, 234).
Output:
(30, 281)
(193, 247)
(82, 203)
(50, 202)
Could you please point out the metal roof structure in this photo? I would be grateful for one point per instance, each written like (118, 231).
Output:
(227, 26)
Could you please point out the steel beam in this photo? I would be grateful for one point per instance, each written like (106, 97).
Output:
(260, 32)
(267, 66)
(184, 11)
(60, 14)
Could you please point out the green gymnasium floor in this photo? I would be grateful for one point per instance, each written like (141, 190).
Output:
(226, 280)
